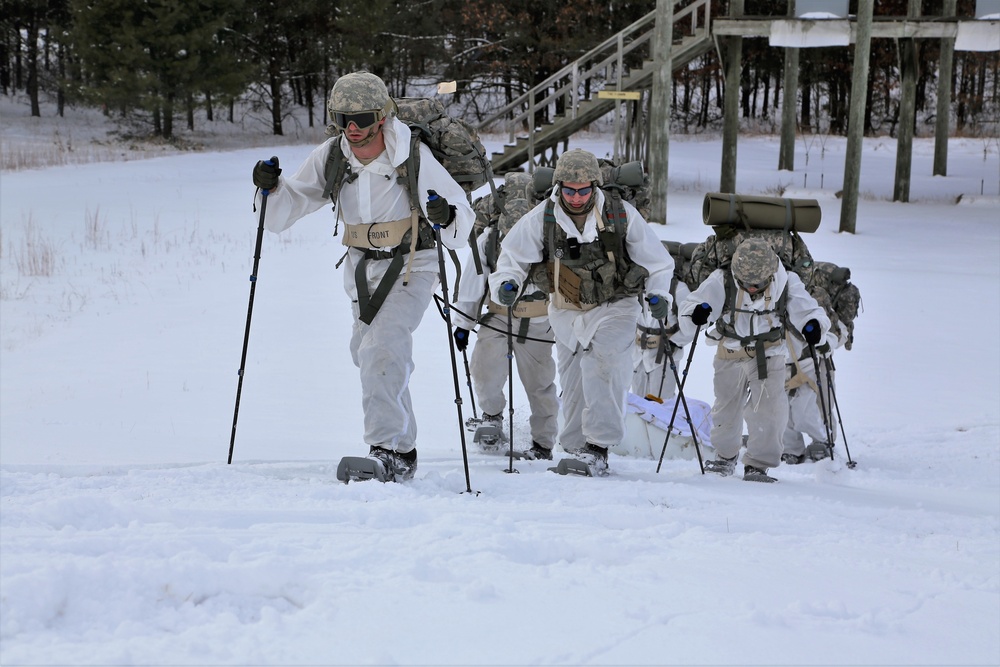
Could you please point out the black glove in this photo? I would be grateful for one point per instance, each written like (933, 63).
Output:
(507, 293)
(823, 349)
(461, 337)
(700, 314)
(265, 174)
(659, 307)
(439, 212)
(811, 332)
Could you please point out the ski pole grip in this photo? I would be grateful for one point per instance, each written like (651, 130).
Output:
(271, 163)
(432, 195)
(653, 299)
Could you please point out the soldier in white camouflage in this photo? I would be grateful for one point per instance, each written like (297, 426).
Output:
(375, 209)
(531, 333)
(594, 268)
(750, 306)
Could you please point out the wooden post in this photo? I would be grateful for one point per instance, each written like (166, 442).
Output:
(659, 110)
(731, 103)
(856, 120)
(942, 124)
(789, 104)
(907, 111)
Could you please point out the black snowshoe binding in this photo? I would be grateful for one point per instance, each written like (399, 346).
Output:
(384, 465)
(721, 466)
(755, 474)
(818, 451)
(792, 459)
(591, 461)
(489, 434)
(537, 453)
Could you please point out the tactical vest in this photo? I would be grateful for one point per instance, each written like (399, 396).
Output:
(589, 273)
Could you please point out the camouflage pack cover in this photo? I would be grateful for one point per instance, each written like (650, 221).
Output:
(454, 143)
(577, 166)
(517, 185)
(639, 197)
(717, 251)
(359, 91)
(754, 261)
(842, 300)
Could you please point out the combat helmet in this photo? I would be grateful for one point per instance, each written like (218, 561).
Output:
(359, 93)
(577, 166)
(513, 210)
(754, 263)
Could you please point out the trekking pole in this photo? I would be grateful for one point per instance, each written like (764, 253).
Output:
(822, 399)
(431, 196)
(246, 333)
(468, 383)
(850, 463)
(680, 390)
(687, 414)
(510, 386)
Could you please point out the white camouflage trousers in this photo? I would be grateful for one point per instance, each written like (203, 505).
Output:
(383, 351)
(535, 367)
(805, 416)
(740, 396)
(595, 382)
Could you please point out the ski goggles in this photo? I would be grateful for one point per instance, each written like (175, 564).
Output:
(756, 287)
(363, 119)
(571, 192)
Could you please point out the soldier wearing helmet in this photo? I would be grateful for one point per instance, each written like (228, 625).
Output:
(750, 305)
(384, 237)
(532, 337)
(595, 256)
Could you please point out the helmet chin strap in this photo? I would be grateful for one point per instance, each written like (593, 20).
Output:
(580, 211)
(372, 133)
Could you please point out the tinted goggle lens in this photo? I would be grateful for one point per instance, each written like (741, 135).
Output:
(755, 286)
(362, 119)
(583, 192)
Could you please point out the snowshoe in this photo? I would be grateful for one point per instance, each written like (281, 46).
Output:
(592, 461)
(721, 466)
(381, 464)
(818, 451)
(792, 459)
(489, 434)
(755, 474)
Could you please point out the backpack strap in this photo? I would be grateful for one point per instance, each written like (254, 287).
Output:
(757, 341)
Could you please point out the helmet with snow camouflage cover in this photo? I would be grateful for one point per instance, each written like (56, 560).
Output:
(754, 262)
(577, 166)
(513, 210)
(359, 92)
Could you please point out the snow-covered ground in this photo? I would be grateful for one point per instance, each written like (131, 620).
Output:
(125, 538)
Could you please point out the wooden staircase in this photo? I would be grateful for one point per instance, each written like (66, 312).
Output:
(601, 68)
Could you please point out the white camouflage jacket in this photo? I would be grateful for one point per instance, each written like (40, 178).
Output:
(375, 196)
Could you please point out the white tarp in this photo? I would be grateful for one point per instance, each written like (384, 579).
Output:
(646, 425)
(805, 34)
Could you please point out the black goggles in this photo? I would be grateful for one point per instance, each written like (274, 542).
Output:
(583, 192)
(363, 119)
(754, 286)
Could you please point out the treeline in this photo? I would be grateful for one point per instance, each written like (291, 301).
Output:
(157, 61)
